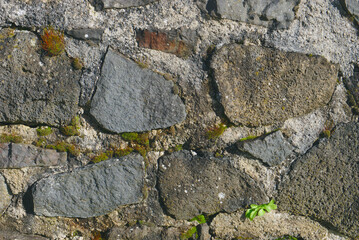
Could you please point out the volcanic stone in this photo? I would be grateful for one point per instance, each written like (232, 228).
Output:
(131, 99)
(272, 149)
(125, 3)
(90, 191)
(34, 88)
(14, 155)
(193, 185)
(262, 86)
(323, 184)
(5, 198)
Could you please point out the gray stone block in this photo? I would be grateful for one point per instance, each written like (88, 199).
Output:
(5, 198)
(261, 86)
(323, 184)
(131, 99)
(272, 149)
(86, 34)
(14, 155)
(353, 7)
(92, 190)
(125, 3)
(193, 185)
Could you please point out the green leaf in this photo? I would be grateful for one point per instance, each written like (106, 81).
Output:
(254, 206)
(261, 212)
(200, 219)
(253, 214)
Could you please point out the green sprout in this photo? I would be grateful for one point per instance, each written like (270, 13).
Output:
(259, 209)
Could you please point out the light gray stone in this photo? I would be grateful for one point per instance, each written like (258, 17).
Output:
(261, 86)
(353, 7)
(323, 183)
(125, 3)
(5, 198)
(266, 13)
(272, 149)
(92, 190)
(192, 185)
(35, 88)
(131, 99)
(13, 155)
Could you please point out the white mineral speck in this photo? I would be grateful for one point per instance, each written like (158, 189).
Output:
(221, 195)
(86, 35)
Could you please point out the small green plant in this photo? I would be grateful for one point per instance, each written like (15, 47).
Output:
(200, 219)
(190, 233)
(64, 147)
(73, 128)
(259, 210)
(53, 41)
(41, 142)
(77, 63)
(117, 152)
(6, 138)
(216, 131)
(43, 131)
(250, 137)
(287, 237)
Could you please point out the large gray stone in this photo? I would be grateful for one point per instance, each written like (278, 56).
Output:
(323, 184)
(353, 7)
(125, 3)
(192, 185)
(260, 12)
(262, 86)
(92, 190)
(7, 235)
(34, 88)
(131, 99)
(272, 149)
(14, 155)
(5, 198)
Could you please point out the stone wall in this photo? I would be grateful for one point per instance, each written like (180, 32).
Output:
(159, 119)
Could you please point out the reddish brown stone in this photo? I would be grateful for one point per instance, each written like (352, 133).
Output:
(169, 42)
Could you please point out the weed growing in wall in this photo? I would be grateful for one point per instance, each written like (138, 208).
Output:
(260, 209)
(53, 41)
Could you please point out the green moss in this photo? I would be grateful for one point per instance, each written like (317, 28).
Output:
(99, 158)
(77, 64)
(248, 138)
(287, 237)
(53, 41)
(64, 147)
(41, 142)
(131, 136)
(189, 234)
(122, 151)
(73, 128)
(6, 138)
(216, 131)
(200, 219)
(117, 152)
(43, 131)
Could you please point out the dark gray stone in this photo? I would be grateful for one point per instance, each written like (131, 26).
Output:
(92, 190)
(193, 185)
(272, 149)
(131, 99)
(353, 7)
(5, 198)
(86, 34)
(34, 88)
(7, 235)
(268, 13)
(125, 3)
(323, 184)
(14, 155)
(262, 86)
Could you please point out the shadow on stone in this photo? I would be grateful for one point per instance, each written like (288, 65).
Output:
(28, 201)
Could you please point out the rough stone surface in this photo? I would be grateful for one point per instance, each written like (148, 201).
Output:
(323, 183)
(272, 225)
(35, 88)
(272, 149)
(266, 13)
(7, 235)
(90, 191)
(14, 155)
(353, 7)
(261, 86)
(131, 99)
(86, 34)
(180, 42)
(5, 198)
(204, 184)
(125, 3)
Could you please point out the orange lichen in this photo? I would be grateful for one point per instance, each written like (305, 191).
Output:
(53, 41)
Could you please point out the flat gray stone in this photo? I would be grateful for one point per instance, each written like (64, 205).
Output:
(92, 190)
(272, 149)
(353, 7)
(5, 198)
(193, 185)
(261, 86)
(131, 99)
(34, 88)
(6, 235)
(13, 155)
(260, 12)
(323, 184)
(86, 34)
(125, 3)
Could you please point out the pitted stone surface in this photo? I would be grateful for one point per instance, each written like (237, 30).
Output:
(192, 185)
(125, 3)
(34, 88)
(272, 149)
(262, 86)
(131, 99)
(92, 190)
(13, 155)
(5, 198)
(323, 184)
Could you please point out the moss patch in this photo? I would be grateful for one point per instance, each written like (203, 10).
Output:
(64, 147)
(43, 131)
(73, 128)
(118, 152)
(6, 138)
(216, 131)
